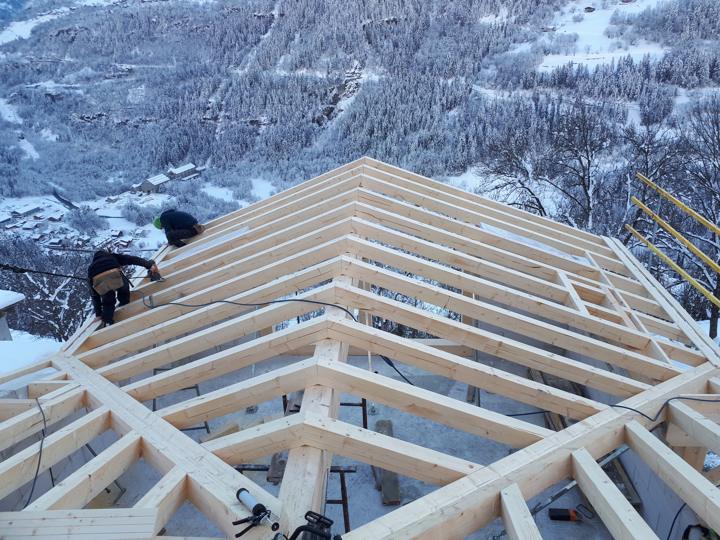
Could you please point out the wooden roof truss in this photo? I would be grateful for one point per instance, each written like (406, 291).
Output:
(334, 239)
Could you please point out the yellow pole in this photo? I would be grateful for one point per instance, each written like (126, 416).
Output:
(672, 264)
(681, 205)
(679, 237)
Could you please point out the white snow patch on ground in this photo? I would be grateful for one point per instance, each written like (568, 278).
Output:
(48, 135)
(23, 29)
(9, 298)
(262, 189)
(27, 147)
(219, 192)
(705, 327)
(25, 349)
(8, 112)
(593, 47)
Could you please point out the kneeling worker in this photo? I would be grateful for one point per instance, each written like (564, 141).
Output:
(178, 226)
(108, 283)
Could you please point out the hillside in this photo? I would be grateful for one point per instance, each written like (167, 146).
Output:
(550, 105)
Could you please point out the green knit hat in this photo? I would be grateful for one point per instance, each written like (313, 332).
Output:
(157, 223)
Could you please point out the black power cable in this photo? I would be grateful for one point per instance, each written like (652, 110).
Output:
(20, 270)
(37, 469)
(151, 305)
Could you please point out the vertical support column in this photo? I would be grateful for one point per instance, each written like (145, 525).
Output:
(305, 477)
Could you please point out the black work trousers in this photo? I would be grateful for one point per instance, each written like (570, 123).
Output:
(179, 234)
(108, 300)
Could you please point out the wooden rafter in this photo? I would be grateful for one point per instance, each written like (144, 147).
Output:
(479, 277)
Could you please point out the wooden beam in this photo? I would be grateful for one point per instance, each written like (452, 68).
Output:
(686, 482)
(490, 343)
(503, 318)
(40, 388)
(493, 292)
(88, 481)
(519, 523)
(104, 524)
(433, 406)
(165, 497)
(213, 336)
(229, 360)
(241, 395)
(10, 407)
(165, 323)
(214, 483)
(617, 514)
(385, 452)
(467, 505)
(259, 441)
(464, 370)
(56, 406)
(304, 481)
(19, 469)
(700, 429)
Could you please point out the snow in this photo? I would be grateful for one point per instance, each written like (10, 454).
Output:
(593, 47)
(218, 192)
(23, 350)
(48, 135)
(27, 147)
(262, 189)
(23, 29)
(8, 112)
(531, 242)
(9, 298)
(469, 180)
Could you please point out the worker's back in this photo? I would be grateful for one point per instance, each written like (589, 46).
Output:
(176, 219)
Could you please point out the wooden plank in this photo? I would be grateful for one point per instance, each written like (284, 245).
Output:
(32, 368)
(467, 505)
(19, 469)
(466, 371)
(213, 336)
(505, 318)
(487, 290)
(304, 481)
(512, 213)
(91, 479)
(686, 482)
(519, 523)
(229, 360)
(386, 452)
(388, 480)
(462, 254)
(110, 524)
(241, 395)
(671, 306)
(168, 322)
(40, 388)
(700, 429)
(213, 483)
(436, 407)
(617, 514)
(56, 406)
(493, 344)
(165, 497)
(259, 441)
(10, 407)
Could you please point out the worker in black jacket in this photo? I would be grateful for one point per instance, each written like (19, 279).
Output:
(108, 284)
(178, 226)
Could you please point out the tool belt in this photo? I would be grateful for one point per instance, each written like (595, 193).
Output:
(199, 229)
(110, 280)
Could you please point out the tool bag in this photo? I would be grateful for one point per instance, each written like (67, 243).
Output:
(110, 280)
